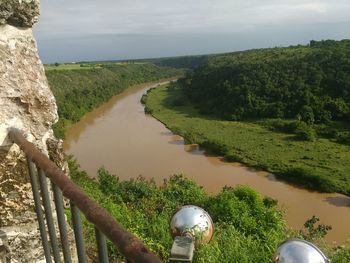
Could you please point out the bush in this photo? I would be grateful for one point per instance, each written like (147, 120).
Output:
(245, 209)
(144, 99)
(315, 231)
(283, 126)
(148, 110)
(343, 137)
(305, 132)
(308, 179)
(307, 115)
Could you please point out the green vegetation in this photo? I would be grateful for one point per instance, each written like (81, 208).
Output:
(181, 62)
(311, 83)
(72, 66)
(79, 88)
(266, 144)
(248, 227)
(284, 110)
(306, 149)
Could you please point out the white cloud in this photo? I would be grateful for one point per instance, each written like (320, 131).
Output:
(313, 7)
(63, 19)
(164, 16)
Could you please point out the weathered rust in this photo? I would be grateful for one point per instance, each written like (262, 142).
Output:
(128, 244)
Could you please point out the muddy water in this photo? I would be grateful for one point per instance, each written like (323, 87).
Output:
(120, 137)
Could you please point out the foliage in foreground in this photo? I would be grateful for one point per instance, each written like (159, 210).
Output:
(319, 164)
(78, 90)
(248, 227)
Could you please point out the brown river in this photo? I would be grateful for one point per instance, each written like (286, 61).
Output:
(121, 137)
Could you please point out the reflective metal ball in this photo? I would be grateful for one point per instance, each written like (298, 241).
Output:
(194, 221)
(299, 251)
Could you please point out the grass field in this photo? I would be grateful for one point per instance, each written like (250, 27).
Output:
(92, 65)
(320, 165)
(71, 66)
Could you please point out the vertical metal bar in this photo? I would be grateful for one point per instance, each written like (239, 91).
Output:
(38, 210)
(101, 246)
(48, 213)
(62, 223)
(78, 233)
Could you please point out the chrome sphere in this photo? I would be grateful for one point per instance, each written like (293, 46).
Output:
(194, 221)
(299, 251)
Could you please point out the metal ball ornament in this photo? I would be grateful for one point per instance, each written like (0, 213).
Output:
(299, 251)
(192, 221)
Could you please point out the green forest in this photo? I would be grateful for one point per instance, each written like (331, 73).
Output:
(79, 88)
(311, 83)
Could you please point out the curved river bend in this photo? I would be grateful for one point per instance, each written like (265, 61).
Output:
(119, 136)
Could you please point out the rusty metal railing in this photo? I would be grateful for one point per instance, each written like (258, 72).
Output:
(40, 168)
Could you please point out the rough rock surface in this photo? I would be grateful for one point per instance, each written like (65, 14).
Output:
(27, 103)
(25, 98)
(20, 13)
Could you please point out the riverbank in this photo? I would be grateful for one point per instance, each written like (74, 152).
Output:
(319, 165)
(80, 89)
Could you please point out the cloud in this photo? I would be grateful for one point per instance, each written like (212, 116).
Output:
(87, 19)
(313, 7)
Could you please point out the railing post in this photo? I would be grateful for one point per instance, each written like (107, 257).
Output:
(39, 212)
(101, 246)
(58, 199)
(78, 233)
(48, 213)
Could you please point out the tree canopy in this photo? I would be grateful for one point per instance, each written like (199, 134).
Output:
(311, 83)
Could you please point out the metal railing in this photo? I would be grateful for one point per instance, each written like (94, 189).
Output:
(40, 168)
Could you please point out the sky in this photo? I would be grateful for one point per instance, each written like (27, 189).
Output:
(88, 30)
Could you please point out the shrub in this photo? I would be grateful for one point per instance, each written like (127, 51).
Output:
(148, 110)
(244, 208)
(284, 126)
(144, 99)
(305, 132)
(343, 137)
(307, 178)
(307, 115)
(314, 231)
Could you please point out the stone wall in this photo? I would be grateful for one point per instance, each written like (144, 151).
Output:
(27, 103)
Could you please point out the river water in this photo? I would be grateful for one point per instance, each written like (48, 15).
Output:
(122, 138)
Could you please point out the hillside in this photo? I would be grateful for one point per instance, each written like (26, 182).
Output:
(307, 82)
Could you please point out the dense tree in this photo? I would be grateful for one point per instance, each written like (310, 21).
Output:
(311, 82)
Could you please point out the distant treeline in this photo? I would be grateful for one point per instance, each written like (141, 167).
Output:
(78, 91)
(184, 62)
(311, 83)
(190, 62)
